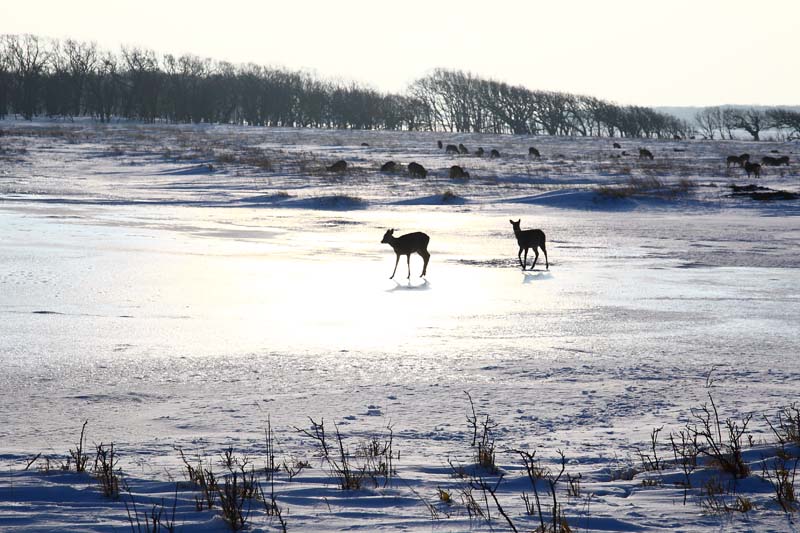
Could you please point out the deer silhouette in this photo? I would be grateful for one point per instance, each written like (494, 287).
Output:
(494, 153)
(457, 173)
(462, 149)
(339, 166)
(769, 161)
(529, 238)
(644, 153)
(415, 170)
(733, 160)
(752, 168)
(451, 149)
(533, 152)
(406, 245)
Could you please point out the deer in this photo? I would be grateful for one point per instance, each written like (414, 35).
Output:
(339, 166)
(752, 168)
(457, 173)
(479, 151)
(406, 245)
(415, 170)
(529, 238)
(644, 153)
(533, 152)
(451, 149)
(616, 145)
(462, 149)
(439, 144)
(733, 160)
(494, 153)
(775, 161)
(389, 166)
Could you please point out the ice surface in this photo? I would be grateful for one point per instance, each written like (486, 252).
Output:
(175, 304)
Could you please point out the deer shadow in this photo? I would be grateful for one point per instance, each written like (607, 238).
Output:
(407, 286)
(530, 276)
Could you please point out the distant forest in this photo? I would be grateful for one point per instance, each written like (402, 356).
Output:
(53, 78)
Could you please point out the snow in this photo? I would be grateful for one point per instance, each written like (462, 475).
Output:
(174, 304)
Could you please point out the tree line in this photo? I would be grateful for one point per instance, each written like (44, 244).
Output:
(69, 78)
(723, 121)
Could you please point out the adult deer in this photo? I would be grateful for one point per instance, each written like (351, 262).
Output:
(752, 168)
(415, 170)
(406, 245)
(529, 238)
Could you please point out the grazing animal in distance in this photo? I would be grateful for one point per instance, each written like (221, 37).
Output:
(677, 137)
(644, 153)
(456, 172)
(733, 160)
(775, 161)
(744, 158)
(439, 144)
(494, 153)
(339, 166)
(406, 245)
(533, 152)
(417, 171)
(752, 168)
(774, 152)
(364, 144)
(462, 149)
(529, 238)
(616, 145)
(451, 149)
(479, 151)
(389, 166)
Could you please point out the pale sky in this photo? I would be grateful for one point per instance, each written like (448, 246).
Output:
(679, 52)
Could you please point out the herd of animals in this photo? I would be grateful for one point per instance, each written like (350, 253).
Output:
(417, 243)
(415, 170)
(755, 168)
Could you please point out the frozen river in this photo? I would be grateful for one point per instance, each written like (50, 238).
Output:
(194, 314)
(137, 312)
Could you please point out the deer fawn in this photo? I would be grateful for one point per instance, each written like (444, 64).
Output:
(529, 238)
(406, 245)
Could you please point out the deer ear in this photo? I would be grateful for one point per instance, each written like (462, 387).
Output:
(510, 220)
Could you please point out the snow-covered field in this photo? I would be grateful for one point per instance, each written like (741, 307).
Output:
(188, 287)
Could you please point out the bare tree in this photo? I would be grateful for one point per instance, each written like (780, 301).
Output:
(751, 120)
(786, 119)
(29, 57)
(708, 121)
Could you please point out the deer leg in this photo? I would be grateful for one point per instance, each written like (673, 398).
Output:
(525, 259)
(425, 257)
(519, 256)
(535, 258)
(395, 267)
(546, 263)
(408, 260)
